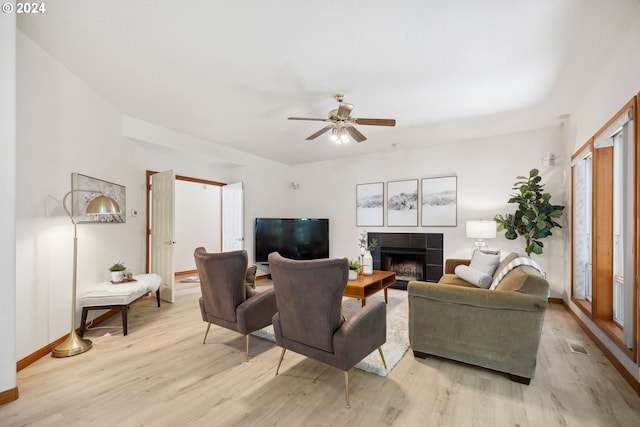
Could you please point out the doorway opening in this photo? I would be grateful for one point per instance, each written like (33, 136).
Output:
(182, 272)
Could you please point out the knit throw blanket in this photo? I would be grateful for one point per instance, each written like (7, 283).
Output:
(513, 264)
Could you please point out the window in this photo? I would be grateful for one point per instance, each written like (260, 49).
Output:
(603, 229)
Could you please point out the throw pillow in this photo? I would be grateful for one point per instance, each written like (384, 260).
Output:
(473, 276)
(485, 262)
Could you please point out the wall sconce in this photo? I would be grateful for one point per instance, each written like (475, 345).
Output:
(294, 185)
(481, 229)
(548, 160)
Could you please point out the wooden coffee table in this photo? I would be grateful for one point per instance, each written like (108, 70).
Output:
(365, 286)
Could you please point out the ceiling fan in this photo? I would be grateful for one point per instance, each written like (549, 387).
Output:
(342, 124)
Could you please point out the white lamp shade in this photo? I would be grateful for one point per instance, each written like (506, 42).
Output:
(481, 229)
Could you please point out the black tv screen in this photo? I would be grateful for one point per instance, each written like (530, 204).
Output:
(294, 238)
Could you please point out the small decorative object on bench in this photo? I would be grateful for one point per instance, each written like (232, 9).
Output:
(109, 295)
(117, 272)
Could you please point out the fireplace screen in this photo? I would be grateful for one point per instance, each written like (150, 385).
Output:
(406, 266)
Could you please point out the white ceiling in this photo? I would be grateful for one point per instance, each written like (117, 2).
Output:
(231, 72)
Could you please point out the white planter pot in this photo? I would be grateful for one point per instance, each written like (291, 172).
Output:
(367, 264)
(353, 274)
(117, 276)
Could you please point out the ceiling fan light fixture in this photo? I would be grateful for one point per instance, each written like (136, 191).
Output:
(334, 136)
(342, 124)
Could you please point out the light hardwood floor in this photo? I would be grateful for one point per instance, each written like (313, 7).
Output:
(161, 374)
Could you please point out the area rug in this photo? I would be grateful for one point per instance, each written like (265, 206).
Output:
(397, 331)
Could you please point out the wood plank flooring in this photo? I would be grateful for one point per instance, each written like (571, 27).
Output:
(161, 374)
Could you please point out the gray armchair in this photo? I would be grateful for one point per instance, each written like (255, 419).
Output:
(225, 300)
(309, 319)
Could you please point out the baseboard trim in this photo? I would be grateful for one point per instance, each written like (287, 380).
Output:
(40, 353)
(9, 395)
(635, 385)
(555, 300)
(185, 273)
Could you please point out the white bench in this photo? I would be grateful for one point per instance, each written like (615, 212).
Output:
(108, 296)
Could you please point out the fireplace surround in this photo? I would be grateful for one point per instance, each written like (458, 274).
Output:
(412, 256)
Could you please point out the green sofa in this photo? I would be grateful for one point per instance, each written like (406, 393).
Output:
(497, 329)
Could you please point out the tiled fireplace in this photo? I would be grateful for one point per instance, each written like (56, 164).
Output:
(412, 256)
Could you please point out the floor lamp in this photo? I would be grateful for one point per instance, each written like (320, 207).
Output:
(101, 205)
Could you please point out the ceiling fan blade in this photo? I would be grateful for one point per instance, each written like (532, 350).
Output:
(344, 110)
(307, 118)
(355, 134)
(320, 132)
(375, 122)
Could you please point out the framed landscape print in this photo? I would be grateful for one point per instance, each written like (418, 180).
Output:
(439, 201)
(402, 203)
(370, 204)
(80, 199)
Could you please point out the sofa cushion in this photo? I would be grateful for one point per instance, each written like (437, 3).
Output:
(519, 261)
(485, 262)
(452, 279)
(513, 281)
(505, 261)
(473, 276)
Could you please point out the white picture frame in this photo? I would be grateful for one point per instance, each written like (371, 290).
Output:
(439, 201)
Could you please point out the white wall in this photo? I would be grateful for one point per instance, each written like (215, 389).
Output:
(619, 81)
(7, 213)
(197, 221)
(486, 170)
(64, 126)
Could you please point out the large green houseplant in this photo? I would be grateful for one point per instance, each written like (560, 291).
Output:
(534, 217)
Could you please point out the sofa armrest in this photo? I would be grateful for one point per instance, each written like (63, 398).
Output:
(451, 263)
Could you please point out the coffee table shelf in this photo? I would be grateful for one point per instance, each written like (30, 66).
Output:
(365, 286)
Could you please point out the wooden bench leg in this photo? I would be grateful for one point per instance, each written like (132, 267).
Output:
(83, 322)
(125, 308)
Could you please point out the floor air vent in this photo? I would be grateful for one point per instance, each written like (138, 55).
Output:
(577, 347)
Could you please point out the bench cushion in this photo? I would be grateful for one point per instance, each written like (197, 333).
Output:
(107, 293)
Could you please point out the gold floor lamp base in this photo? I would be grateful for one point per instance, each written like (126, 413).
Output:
(71, 346)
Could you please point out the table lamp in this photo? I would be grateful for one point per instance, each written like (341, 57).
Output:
(481, 229)
(100, 205)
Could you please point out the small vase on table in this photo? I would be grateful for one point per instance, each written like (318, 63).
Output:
(367, 263)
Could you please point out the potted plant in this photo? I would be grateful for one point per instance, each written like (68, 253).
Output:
(117, 272)
(534, 217)
(354, 268)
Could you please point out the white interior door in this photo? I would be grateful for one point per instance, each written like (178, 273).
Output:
(163, 230)
(232, 217)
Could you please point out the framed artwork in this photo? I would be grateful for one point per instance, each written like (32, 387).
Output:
(402, 203)
(80, 199)
(370, 204)
(439, 201)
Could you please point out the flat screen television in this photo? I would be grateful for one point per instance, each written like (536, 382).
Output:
(294, 238)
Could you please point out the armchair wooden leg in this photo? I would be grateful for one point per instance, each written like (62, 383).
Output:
(206, 333)
(247, 345)
(346, 387)
(280, 362)
(384, 362)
